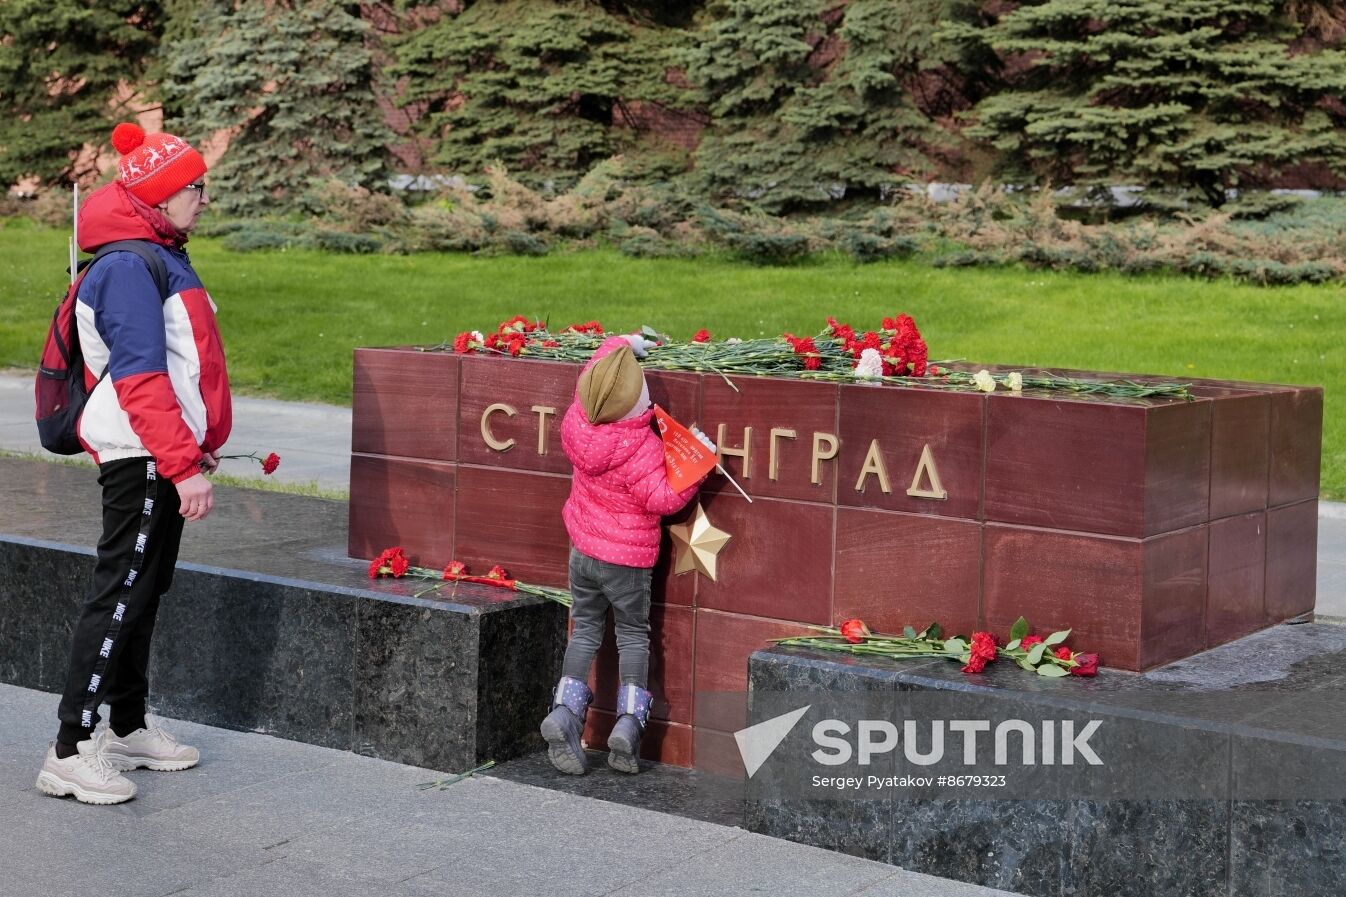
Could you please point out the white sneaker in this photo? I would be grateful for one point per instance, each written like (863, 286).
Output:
(88, 775)
(151, 748)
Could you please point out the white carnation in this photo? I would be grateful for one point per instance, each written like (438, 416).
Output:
(870, 365)
(1015, 381)
(985, 382)
(477, 337)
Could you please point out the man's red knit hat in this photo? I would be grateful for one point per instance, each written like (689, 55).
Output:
(154, 166)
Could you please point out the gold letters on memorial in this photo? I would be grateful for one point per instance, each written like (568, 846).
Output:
(927, 466)
(925, 481)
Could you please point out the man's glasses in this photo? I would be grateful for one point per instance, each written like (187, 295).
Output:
(200, 188)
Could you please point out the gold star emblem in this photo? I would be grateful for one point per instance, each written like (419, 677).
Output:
(696, 543)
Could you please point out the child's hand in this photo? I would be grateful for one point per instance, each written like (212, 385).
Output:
(704, 439)
(639, 344)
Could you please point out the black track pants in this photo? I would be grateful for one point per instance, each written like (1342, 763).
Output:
(110, 648)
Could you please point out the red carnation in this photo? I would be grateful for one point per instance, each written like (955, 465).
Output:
(1029, 641)
(1086, 665)
(519, 324)
(498, 572)
(812, 363)
(492, 340)
(462, 343)
(896, 355)
(844, 332)
(702, 336)
(1063, 653)
(854, 631)
(917, 356)
(983, 645)
(271, 463)
(386, 561)
(906, 328)
(398, 565)
(515, 345)
(455, 569)
(550, 344)
(975, 664)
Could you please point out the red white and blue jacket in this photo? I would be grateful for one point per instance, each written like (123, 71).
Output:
(166, 393)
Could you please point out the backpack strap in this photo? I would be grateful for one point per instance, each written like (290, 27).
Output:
(158, 270)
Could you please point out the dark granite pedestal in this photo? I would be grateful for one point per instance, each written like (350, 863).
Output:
(1222, 774)
(269, 627)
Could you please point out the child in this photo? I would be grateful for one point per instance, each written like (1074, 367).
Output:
(619, 492)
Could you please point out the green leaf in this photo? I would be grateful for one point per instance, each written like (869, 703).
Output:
(934, 630)
(1057, 638)
(1035, 654)
(1014, 643)
(955, 644)
(1052, 671)
(909, 631)
(1019, 629)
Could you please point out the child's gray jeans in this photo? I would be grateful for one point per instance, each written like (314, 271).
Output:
(595, 586)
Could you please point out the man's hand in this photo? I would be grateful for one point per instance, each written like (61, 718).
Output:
(196, 497)
(210, 462)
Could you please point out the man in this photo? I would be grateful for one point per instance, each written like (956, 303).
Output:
(158, 413)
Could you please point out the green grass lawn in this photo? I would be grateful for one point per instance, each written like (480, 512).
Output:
(291, 319)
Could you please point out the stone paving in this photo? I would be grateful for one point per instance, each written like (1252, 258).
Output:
(262, 817)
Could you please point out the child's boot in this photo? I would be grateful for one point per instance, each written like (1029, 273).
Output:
(565, 724)
(633, 710)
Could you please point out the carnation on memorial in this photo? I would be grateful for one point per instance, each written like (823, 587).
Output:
(893, 353)
(1046, 656)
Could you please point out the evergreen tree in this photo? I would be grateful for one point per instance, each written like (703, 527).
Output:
(809, 99)
(533, 83)
(1199, 95)
(63, 67)
(293, 82)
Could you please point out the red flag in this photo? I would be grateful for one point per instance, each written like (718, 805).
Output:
(685, 458)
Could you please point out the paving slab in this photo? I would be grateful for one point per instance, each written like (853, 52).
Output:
(285, 876)
(263, 816)
(756, 864)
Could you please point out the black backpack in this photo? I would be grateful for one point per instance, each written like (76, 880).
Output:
(60, 387)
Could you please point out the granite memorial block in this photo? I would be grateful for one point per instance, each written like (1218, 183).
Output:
(1141, 523)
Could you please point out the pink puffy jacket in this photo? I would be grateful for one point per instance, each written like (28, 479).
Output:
(620, 488)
